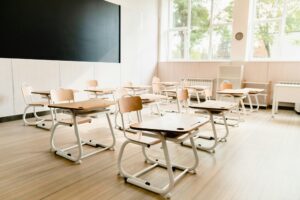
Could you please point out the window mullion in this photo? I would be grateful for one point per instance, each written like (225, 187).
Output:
(211, 30)
(188, 31)
(282, 26)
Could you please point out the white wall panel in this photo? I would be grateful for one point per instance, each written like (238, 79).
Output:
(74, 75)
(40, 74)
(6, 88)
(139, 40)
(108, 74)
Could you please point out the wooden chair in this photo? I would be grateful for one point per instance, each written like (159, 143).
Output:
(128, 105)
(226, 85)
(146, 139)
(92, 84)
(65, 96)
(27, 95)
(156, 87)
(70, 119)
(205, 92)
(118, 94)
(240, 100)
(183, 99)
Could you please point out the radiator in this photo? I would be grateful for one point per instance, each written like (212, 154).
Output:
(287, 92)
(210, 83)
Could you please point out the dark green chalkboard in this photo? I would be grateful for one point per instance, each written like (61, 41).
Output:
(76, 30)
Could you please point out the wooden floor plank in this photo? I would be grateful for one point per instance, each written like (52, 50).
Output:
(261, 160)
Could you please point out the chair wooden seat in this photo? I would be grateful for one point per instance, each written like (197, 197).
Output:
(80, 120)
(41, 104)
(145, 140)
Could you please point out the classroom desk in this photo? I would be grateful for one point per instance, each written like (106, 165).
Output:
(238, 94)
(136, 88)
(167, 83)
(255, 92)
(213, 108)
(99, 92)
(45, 94)
(171, 127)
(198, 89)
(77, 109)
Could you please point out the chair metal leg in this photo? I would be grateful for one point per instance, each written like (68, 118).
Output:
(31, 123)
(224, 139)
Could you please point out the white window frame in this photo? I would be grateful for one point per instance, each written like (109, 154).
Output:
(187, 30)
(282, 23)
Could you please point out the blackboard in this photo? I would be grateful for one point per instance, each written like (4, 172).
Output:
(76, 30)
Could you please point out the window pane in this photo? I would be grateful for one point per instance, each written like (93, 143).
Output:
(267, 9)
(293, 16)
(200, 17)
(221, 42)
(179, 13)
(176, 44)
(199, 36)
(266, 40)
(222, 11)
(291, 39)
(199, 46)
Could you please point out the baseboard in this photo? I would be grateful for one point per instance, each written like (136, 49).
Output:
(18, 117)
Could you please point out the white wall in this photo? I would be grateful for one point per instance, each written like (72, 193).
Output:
(139, 51)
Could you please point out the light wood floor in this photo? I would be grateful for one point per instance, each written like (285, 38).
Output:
(261, 160)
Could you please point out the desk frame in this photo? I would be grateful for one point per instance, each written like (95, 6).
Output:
(167, 164)
(63, 152)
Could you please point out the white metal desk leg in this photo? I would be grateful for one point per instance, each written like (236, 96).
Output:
(193, 168)
(224, 139)
(78, 160)
(243, 106)
(250, 102)
(215, 137)
(274, 107)
(257, 102)
(169, 187)
(198, 98)
(111, 131)
(178, 106)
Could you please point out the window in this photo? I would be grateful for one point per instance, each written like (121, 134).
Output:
(200, 29)
(276, 29)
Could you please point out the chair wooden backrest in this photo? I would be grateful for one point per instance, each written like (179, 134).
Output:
(130, 104)
(156, 87)
(92, 84)
(62, 95)
(27, 95)
(182, 95)
(226, 85)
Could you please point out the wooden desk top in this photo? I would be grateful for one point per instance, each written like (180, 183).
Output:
(47, 92)
(215, 106)
(154, 97)
(172, 124)
(167, 83)
(197, 87)
(100, 91)
(92, 104)
(137, 87)
(238, 92)
(254, 90)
